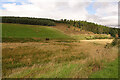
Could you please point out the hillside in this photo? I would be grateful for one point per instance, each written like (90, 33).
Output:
(19, 31)
(28, 33)
(78, 33)
(79, 25)
(72, 30)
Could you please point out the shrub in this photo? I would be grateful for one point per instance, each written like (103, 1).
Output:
(68, 25)
(114, 42)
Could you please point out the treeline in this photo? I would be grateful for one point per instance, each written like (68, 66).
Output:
(93, 27)
(28, 20)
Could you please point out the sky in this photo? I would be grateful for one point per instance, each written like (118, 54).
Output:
(104, 12)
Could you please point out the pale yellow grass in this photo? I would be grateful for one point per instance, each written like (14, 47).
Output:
(101, 41)
(58, 52)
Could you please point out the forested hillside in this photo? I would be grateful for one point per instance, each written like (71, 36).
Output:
(28, 20)
(83, 25)
(89, 26)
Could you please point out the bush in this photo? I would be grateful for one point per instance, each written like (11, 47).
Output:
(114, 42)
(68, 25)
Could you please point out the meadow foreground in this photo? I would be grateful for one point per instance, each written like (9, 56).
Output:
(51, 59)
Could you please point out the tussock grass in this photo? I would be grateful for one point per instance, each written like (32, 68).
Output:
(53, 59)
(109, 70)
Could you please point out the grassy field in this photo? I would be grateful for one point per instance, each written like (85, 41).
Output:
(31, 31)
(35, 33)
(53, 58)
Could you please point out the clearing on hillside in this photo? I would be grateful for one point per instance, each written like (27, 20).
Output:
(78, 33)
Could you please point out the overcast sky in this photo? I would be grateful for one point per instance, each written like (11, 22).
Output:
(103, 12)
